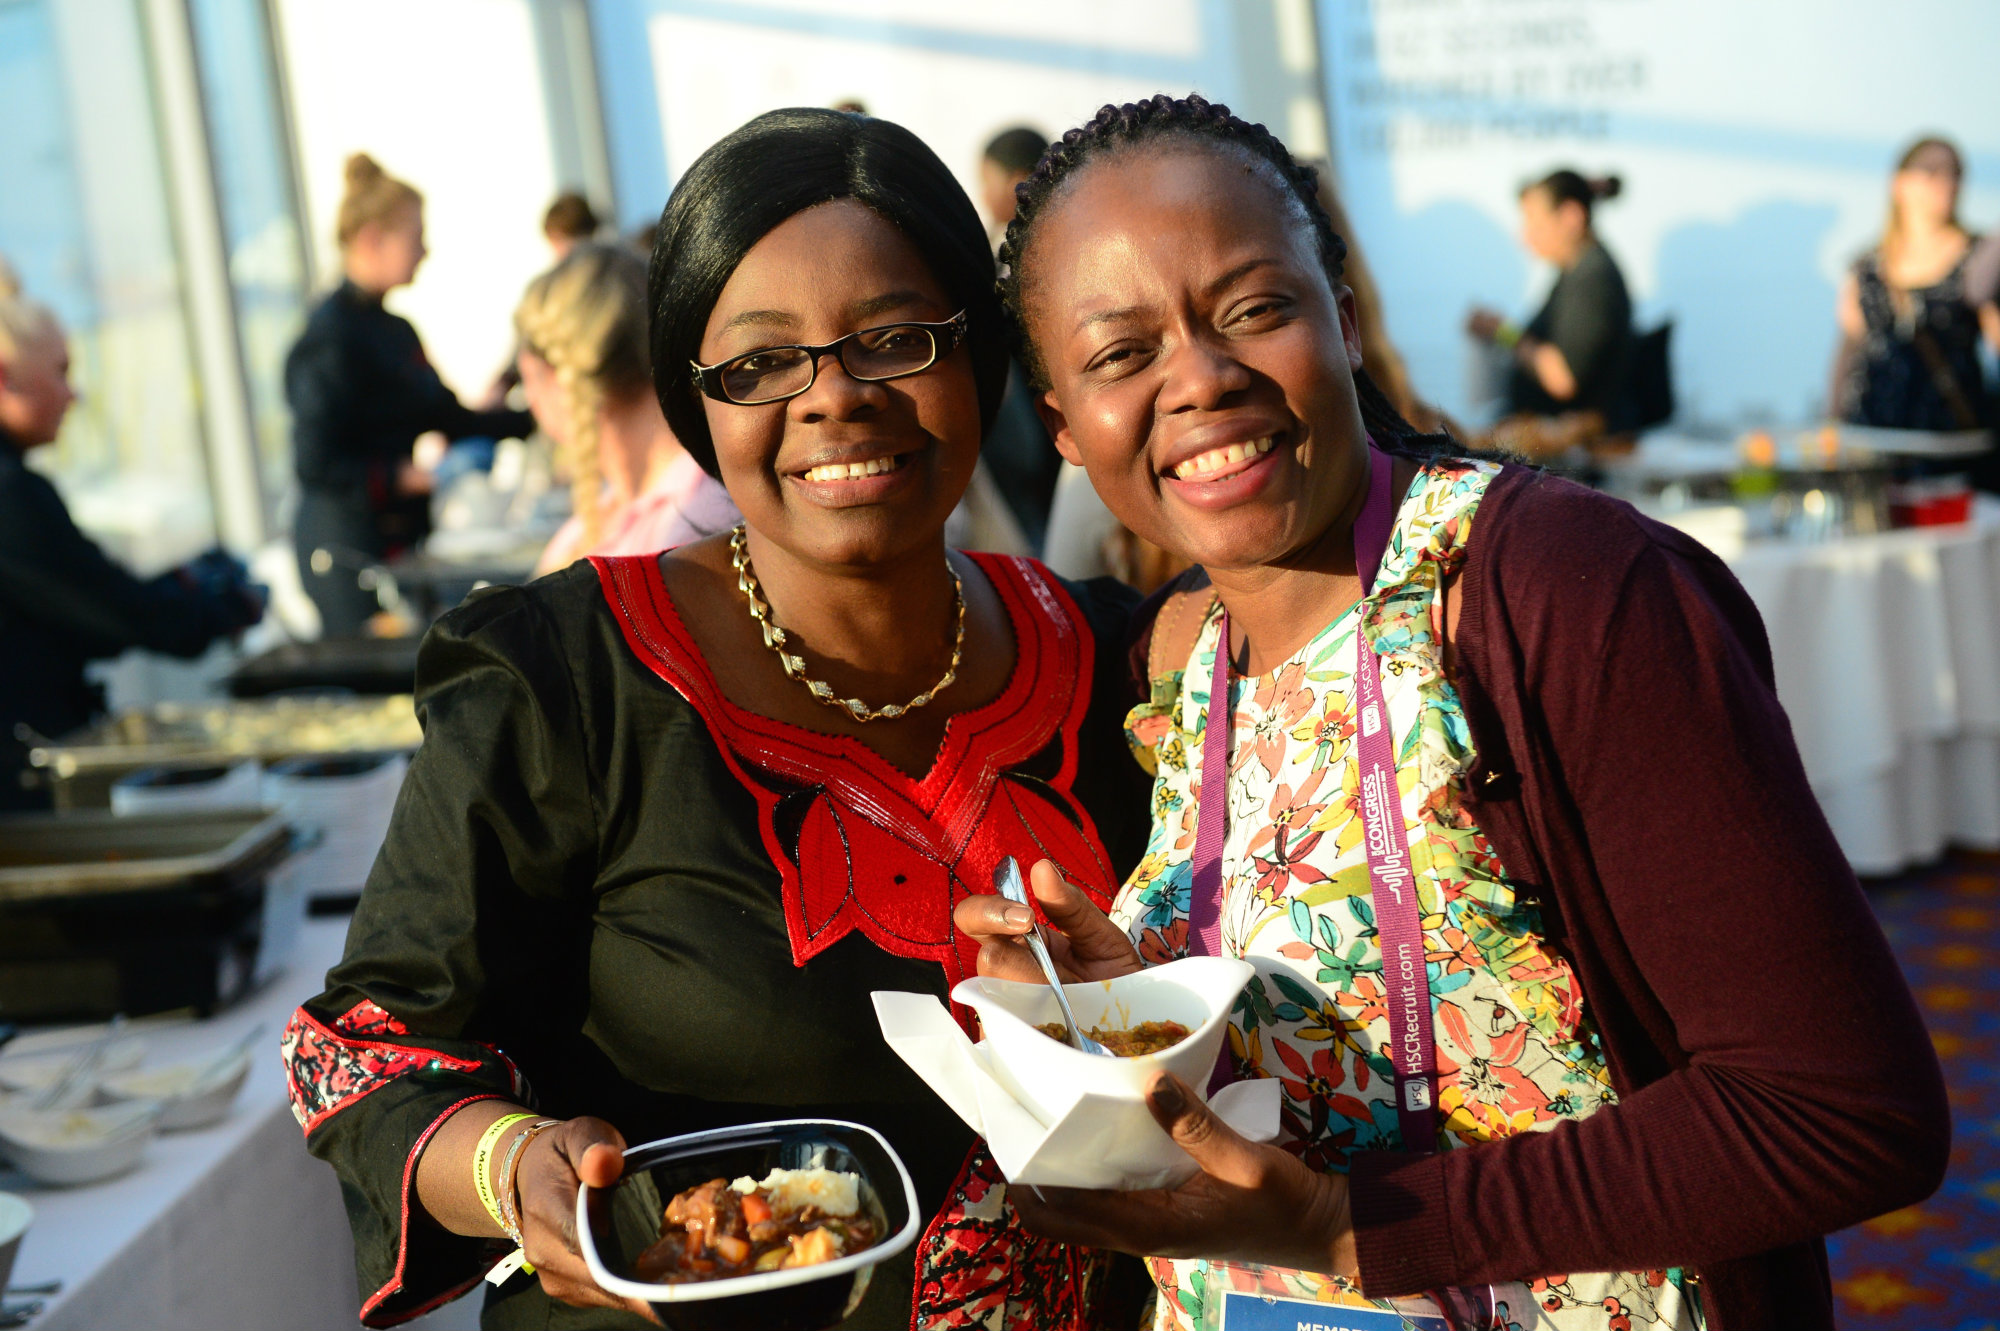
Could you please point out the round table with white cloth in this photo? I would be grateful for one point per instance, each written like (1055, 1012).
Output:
(1887, 652)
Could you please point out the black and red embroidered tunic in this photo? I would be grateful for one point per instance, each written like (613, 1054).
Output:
(609, 889)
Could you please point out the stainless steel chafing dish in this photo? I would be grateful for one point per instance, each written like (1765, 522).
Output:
(102, 914)
(81, 767)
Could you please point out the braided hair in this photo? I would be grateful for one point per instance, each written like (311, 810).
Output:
(1160, 119)
(587, 318)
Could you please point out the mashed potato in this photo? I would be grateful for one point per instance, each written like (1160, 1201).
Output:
(833, 1192)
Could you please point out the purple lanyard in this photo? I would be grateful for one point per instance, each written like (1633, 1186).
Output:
(1398, 919)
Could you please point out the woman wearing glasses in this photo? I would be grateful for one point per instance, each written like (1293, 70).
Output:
(676, 816)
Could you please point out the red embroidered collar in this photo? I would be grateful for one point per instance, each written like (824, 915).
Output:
(860, 844)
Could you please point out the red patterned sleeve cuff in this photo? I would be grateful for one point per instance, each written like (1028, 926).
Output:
(333, 1066)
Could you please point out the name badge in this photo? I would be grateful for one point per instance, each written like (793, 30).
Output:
(1260, 1312)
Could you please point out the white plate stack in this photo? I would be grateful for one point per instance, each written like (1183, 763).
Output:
(345, 803)
(173, 789)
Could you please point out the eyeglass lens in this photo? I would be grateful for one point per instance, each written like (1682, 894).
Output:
(779, 372)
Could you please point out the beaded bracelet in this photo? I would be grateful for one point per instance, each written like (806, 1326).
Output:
(509, 1183)
(482, 1160)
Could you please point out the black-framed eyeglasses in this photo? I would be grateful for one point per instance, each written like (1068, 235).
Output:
(772, 374)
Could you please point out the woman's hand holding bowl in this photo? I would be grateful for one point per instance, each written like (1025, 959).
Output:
(1085, 944)
(1250, 1203)
(579, 1150)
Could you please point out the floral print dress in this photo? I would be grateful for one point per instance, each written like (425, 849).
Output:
(1515, 1050)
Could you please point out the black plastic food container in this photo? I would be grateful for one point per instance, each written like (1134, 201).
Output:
(622, 1222)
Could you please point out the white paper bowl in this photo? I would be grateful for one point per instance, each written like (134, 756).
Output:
(63, 1147)
(187, 1098)
(1048, 1077)
(15, 1217)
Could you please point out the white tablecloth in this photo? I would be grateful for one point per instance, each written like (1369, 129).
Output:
(1887, 651)
(230, 1228)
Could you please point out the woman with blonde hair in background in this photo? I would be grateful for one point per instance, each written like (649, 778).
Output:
(587, 374)
(361, 390)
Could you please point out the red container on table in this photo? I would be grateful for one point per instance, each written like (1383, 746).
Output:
(1932, 501)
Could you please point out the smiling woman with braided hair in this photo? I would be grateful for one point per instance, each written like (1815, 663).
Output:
(1645, 1024)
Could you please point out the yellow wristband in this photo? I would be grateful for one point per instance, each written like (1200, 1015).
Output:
(1507, 336)
(482, 1160)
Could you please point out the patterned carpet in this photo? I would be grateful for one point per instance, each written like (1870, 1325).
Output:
(1936, 1266)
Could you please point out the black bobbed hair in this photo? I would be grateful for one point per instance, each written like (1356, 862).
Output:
(772, 169)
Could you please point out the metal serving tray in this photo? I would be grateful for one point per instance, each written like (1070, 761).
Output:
(373, 667)
(95, 853)
(101, 914)
(81, 767)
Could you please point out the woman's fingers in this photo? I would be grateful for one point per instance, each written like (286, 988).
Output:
(990, 915)
(1219, 1149)
(1098, 949)
(1084, 944)
(1009, 959)
(553, 1166)
(1249, 1202)
(603, 1162)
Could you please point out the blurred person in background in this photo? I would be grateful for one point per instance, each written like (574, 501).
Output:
(63, 603)
(1982, 284)
(1009, 157)
(361, 390)
(1567, 383)
(1019, 467)
(569, 222)
(1909, 349)
(589, 382)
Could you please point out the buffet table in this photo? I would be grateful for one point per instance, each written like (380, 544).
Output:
(1887, 652)
(225, 1228)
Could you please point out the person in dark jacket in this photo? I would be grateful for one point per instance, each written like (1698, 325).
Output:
(1571, 363)
(63, 603)
(361, 391)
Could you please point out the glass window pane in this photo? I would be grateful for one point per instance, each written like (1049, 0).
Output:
(259, 206)
(84, 218)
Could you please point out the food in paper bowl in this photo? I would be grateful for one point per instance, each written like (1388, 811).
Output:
(64, 1147)
(1047, 1076)
(773, 1225)
(1148, 1037)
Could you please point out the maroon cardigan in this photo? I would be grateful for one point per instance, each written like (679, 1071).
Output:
(1638, 779)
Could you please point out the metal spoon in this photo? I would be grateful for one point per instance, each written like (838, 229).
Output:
(1007, 882)
(79, 1077)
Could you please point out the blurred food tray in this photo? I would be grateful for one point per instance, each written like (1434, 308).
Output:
(82, 766)
(375, 667)
(103, 913)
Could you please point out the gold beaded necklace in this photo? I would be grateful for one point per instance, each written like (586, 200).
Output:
(795, 667)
